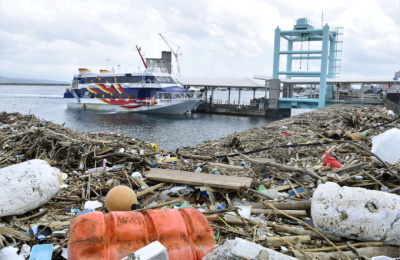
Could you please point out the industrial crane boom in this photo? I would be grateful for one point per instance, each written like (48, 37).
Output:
(144, 63)
(173, 52)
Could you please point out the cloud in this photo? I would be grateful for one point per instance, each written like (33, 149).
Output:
(52, 39)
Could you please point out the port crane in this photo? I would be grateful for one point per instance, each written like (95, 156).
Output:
(138, 49)
(178, 52)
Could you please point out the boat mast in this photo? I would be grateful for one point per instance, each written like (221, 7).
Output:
(138, 49)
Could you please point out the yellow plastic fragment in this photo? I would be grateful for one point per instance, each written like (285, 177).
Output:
(154, 146)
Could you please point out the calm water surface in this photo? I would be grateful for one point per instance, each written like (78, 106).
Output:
(167, 131)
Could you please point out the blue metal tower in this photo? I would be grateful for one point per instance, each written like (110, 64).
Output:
(329, 54)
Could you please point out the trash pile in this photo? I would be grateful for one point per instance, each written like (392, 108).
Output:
(320, 185)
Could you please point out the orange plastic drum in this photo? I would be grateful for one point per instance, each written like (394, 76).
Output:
(114, 235)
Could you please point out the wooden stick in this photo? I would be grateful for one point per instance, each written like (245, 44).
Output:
(204, 251)
(299, 213)
(363, 244)
(151, 189)
(275, 241)
(160, 205)
(330, 242)
(41, 213)
(303, 204)
(302, 231)
(227, 166)
(293, 169)
(191, 156)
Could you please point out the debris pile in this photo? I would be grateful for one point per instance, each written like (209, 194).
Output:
(256, 188)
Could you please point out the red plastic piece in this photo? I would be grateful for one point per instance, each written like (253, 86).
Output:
(285, 134)
(332, 161)
(114, 235)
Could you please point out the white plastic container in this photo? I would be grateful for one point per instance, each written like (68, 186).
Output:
(387, 146)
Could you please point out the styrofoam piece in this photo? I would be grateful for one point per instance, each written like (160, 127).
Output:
(248, 250)
(93, 204)
(382, 258)
(244, 211)
(153, 251)
(64, 252)
(10, 253)
(357, 213)
(386, 146)
(26, 186)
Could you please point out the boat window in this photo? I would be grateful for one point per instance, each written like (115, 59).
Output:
(120, 80)
(99, 95)
(158, 78)
(133, 95)
(164, 79)
(128, 79)
(115, 95)
(107, 95)
(150, 79)
(137, 79)
(91, 95)
(170, 79)
(124, 95)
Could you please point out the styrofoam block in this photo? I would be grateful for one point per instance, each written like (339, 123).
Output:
(26, 186)
(153, 251)
(357, 213)
(248, 250)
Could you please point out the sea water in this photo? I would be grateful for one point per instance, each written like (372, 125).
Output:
(167, 131)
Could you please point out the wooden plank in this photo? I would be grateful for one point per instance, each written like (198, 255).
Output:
(203, 179)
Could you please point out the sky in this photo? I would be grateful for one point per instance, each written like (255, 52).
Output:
(51, 39)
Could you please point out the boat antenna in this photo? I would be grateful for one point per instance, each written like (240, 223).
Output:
(322, 19)
(107, 62)
(144, 63)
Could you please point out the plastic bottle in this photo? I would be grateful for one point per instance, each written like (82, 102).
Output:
(198, 170)
(219, 205)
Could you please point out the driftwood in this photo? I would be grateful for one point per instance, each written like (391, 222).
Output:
(285, 156)
(191, 156)
(294, 213)
(390, 251)
(275, 241)
(212, 180)
(302, 231)
(288, 205)
(294, 169)
(227, 166)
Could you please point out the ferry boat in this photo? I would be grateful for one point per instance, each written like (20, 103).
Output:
(150, 91)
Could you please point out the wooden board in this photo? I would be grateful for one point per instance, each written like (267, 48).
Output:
(192, 178)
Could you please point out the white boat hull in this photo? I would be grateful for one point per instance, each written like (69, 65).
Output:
(172, 106)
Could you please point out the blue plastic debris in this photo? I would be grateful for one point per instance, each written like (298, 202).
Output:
(42, 252)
